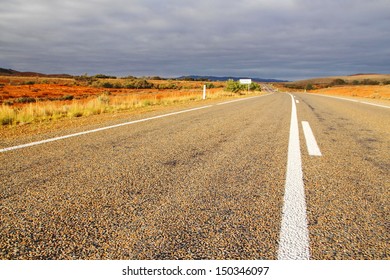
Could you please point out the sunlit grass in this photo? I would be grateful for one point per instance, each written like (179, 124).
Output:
(53, 110)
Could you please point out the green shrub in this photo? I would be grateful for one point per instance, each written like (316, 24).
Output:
(234, 86)
(30, 83)
(210, 85)
(7, 120)
(255, 87)
(129, 85)
(309, 87)
(25, 99)
(338, 82)
(67, 97)
(130, 77)
(369, 82)
(102, 76)
(157, 78)
(294, 86)
(75, 114)
(167, 86)
(85, 79)
(138, 84)
(107, 85)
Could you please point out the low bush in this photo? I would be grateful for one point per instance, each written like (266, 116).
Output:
(369, 82)
(338, 82)
(139, 84)
(7, 120)
(102, 76)
(210, 85)
(294, 86)
(30, 83)
(157, 78)
(167, 86)
(234, 86)
(255, 87)
(309, 87)
(25, 99)
(67, 97)
(84, 80)
(107, 85)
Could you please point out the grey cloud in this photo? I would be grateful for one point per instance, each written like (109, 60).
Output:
(265, 38)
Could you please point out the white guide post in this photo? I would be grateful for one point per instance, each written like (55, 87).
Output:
(204, 92)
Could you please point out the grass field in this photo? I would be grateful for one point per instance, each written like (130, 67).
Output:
(35, 100)
(374, 92)
(374, 86)
(351, 79)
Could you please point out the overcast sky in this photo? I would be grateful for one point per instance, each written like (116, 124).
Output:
(285, 39)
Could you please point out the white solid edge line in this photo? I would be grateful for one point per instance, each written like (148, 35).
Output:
(98, 129)
(353, 100)
(114, 126)
(294, 234)
(241, 99)
(311, 142)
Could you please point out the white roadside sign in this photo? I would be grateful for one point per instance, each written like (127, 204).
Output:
(245, 81)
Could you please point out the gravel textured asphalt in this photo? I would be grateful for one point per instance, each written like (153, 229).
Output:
(348, 188)
(206, 184)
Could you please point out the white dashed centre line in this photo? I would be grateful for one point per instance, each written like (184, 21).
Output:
(294, 234)
(311, 142)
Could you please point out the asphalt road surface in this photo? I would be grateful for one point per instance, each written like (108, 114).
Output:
(210, 183)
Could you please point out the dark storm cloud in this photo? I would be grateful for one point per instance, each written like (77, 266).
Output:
(264, 38)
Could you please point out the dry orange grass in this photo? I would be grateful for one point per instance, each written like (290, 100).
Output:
(348, 79)
(358, 85)
(376, 92)
(12, 88)
(91, 105)
(44, 100)
(53, 110)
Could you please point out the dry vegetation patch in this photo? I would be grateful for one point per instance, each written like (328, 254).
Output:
(375, 86)
(320, 83)
(29, 100)
(375, 92)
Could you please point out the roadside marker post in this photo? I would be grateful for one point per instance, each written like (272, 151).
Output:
(204, 92)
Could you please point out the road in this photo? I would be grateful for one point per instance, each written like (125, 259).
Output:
(209, 183)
